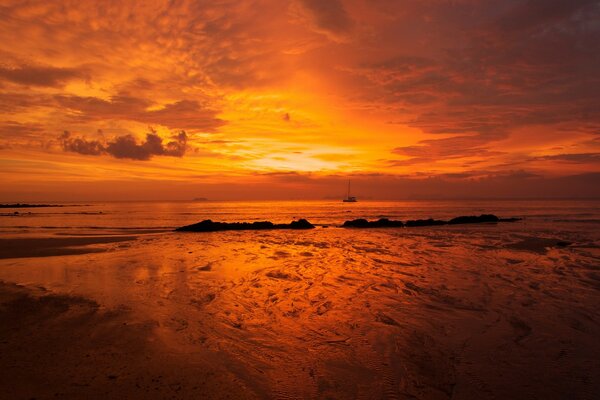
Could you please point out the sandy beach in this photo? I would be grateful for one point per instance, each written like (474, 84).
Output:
(479, 312)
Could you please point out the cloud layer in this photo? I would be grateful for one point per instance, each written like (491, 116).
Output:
(465, 89)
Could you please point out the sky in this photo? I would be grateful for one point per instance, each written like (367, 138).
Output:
(275, 99)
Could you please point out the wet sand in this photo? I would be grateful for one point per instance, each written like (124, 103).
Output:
(465, 313)
(60, 346)
(55, 246)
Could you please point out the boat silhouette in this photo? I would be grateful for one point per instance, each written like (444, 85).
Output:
(349, 199)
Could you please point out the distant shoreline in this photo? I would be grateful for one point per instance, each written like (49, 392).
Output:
(22, 205)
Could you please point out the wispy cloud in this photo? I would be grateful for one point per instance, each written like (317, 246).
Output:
(39, 76)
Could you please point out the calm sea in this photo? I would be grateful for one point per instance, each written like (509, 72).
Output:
(140, 217)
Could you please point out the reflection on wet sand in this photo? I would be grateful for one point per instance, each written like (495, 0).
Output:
(330, 313)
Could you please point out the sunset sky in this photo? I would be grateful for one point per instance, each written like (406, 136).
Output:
(275, 99)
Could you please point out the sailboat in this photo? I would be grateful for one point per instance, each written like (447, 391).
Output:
(349, 199)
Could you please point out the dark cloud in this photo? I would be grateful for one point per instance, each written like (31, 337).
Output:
(80, 145)
(487, 68)
(329, 17)
(183, 114)
(127, 146)
(39, 76)
(528, 15)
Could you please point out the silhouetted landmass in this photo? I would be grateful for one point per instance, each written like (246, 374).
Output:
(20, 205)
(386, 223)
(210, 226)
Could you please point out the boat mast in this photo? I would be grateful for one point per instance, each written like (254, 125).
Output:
(348, 189)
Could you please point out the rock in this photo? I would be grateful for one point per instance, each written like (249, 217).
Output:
(472, 219)
(356, 223)
(386, 223)
(300, 224)
(380, 223)
(425, 222)
(210, 226)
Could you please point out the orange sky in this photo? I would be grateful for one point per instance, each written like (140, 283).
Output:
(289, 99)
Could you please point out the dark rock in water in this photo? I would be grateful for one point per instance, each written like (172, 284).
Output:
(300, 224)
(380, 223)
(425, 222)
(357, 223)
(210, 226)
(473, 219)
(386, 223)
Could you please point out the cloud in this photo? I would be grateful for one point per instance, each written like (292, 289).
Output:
(327, 17)
(528, 15)
(482, 69)
(14, 130)
(19, 102)
(80, 145)
(127, 146)
(433, 150)
(576, 158)
(182, 114)
(39, 75)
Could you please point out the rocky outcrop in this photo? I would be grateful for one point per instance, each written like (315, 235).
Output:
(211, 226)
(425, 222)
(380, 223)
(473, 219)
(386, 223)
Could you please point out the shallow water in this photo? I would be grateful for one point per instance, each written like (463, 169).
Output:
(462, 312)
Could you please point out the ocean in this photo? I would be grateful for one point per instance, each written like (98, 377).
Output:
(147, 217)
